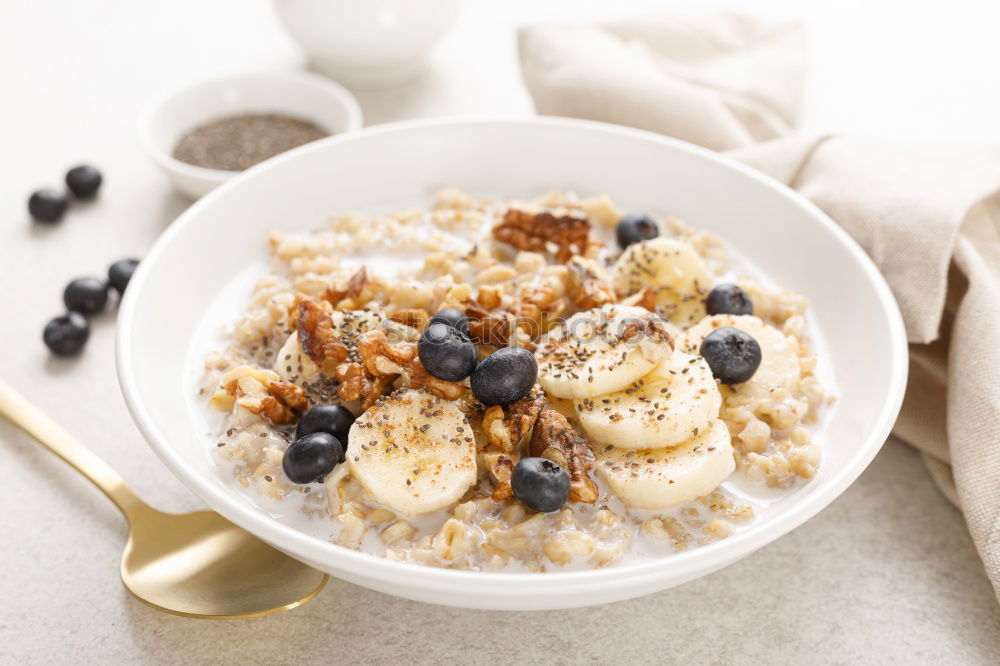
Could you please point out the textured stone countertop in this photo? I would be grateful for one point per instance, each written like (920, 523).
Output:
(886, 574)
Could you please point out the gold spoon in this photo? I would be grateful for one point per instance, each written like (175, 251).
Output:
(192, 564)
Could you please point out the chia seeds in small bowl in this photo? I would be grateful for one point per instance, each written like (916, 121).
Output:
(235, 143)
(206, 133)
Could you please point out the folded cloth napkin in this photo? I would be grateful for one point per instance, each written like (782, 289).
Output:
(929, 217)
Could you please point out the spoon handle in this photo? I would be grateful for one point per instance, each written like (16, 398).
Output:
(31, 419)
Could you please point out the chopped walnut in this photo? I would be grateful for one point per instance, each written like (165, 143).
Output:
(382, 364)
(260, 392)
(416, 376)
(413, 317)
(536, 231)
(349, 292)
(381, 357)
(488, 328)
(357, 384)
(317, 337)
(501, 466)
(527, 317)
(505, 427)
(535, 308)
(592, 283)
(286, 402)
(555, 439)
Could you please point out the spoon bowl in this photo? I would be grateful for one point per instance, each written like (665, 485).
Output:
(192, 564)
(201, 565)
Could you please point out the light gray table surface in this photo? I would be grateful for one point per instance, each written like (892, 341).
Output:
(887, 573)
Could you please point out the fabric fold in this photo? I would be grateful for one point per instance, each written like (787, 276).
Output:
(928, 216)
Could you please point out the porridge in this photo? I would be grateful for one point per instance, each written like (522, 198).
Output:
(518, 385)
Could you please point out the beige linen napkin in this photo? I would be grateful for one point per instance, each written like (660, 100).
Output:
(928, 216)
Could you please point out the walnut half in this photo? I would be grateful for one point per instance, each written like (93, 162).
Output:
(592, 282)
(564, 234)
(555, 439)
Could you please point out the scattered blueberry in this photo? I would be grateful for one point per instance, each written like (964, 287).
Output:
(333, 419)
(540, 484)
(634, 227)
(733, 355)
(47, 205)
(505, 376)
(120, 273)
(83, 181)
(86, 295)
(312, 457)
(728, 299)
(452, 317)
(66, 335)
(446, 353)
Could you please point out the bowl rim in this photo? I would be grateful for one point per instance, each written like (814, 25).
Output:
(144, 122)
(684, 565)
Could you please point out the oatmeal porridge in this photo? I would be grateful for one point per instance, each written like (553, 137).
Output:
(517, 385)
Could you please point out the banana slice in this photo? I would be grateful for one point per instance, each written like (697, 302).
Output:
(291, 363)
(779, 364)
(670, 267)
(602, 350)
(413, 452)
(664, 477)
(678, 398)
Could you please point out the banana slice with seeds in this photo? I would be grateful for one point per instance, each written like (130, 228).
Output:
(664, 408)
(413, 452)
(780, 366)
(664, 477)
(602, 350)
(673, 269)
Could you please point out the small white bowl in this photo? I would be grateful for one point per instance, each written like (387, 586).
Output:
(368, 43)
(170, 115)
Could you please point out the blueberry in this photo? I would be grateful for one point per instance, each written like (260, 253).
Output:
(540, 484)
(66, 335)
(635, 227)
(728, 299)
(312, 457)
(452, 317)
(47, 205)
(83, 181)
(86, 295)
(505, 376)
(732, 354)
(333, 419)
(120, 273)
(446, 353)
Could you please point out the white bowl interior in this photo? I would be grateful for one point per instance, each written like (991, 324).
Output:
(792, 242)
(302, 95)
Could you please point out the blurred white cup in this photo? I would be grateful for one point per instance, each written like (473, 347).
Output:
(368, 43)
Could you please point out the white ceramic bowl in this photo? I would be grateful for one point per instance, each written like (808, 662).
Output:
(368, 43)
(794, 243)
(168, 116)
